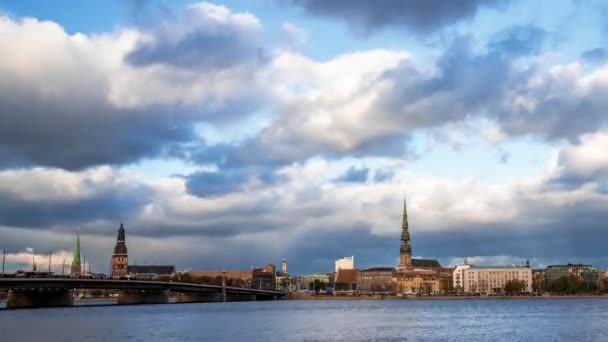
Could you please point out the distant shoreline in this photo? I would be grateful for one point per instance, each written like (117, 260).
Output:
(308, 297)
(391, 297)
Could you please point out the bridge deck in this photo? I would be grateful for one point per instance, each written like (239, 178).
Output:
(115, 284)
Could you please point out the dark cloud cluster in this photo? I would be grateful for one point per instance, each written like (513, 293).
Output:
(79, 131)
(417, 16)
(595, 56)
(223, 181)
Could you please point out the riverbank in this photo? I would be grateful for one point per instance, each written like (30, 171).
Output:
(307, 296)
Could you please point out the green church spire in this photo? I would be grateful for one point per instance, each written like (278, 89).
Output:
(76, 258)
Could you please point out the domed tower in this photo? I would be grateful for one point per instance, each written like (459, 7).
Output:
(405, 250)
(120, 258)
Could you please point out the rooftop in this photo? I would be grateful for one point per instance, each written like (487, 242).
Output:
(497, 267)
(425, 263)
(379, 269)
(347, 276)
(140, 269)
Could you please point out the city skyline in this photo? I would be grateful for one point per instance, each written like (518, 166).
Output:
(233, 134)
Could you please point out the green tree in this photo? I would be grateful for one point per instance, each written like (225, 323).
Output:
(319, 285)
(568, 284)
(539, 283)
(515, 286)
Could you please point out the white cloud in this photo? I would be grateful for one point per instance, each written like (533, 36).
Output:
(589, 158)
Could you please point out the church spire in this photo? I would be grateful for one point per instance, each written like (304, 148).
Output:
(405, 250)
(405, 233)
(120, 258)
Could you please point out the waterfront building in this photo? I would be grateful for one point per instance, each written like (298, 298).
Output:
(308, 281)
(346, 280)
(376, 280)
(346, 263)
(492, 279)
(554, 272)
(286, 282)
(120, 258)
(592, 280)
(264, 278)
(76, 270)
(458, 276)
(418, 282)
(233, 278)
(591, 277)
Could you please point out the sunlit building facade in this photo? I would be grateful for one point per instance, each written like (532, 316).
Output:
(492, 279)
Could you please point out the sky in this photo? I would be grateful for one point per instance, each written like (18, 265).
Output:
(227, 135)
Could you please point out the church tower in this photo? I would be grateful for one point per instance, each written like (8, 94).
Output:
(405, 250)
(76, 269)
(284, 266)
(120, 259)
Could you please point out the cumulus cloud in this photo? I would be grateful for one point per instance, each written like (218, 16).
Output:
(448, 218)
(43, 198)
(205, 36)
(71, 101)
(417, 16)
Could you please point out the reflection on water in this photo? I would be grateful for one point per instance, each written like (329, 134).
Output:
(406, 320)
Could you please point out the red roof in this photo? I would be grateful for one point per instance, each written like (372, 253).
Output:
(347, 276)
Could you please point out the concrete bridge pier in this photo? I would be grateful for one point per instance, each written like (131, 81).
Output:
(199, 297)
(143, 297)
(39, 298)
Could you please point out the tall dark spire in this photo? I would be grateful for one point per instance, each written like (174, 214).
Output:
(405, 250)
(120, 259)
(121, 247)
(405, 233)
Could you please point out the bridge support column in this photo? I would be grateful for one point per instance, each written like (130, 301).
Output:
(199, 297)
(143, 297)
(20, 299)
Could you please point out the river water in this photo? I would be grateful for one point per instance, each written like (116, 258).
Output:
(399, 320)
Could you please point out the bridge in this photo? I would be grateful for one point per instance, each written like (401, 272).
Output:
(52, 292)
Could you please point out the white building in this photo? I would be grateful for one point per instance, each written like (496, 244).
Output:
(492, 279)
(458, 277)
(346, 263)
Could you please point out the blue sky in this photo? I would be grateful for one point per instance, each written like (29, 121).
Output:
(236, 133)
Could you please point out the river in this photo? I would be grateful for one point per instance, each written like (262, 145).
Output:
(399, 320)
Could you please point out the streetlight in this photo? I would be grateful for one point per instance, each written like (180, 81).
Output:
(3, 260)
